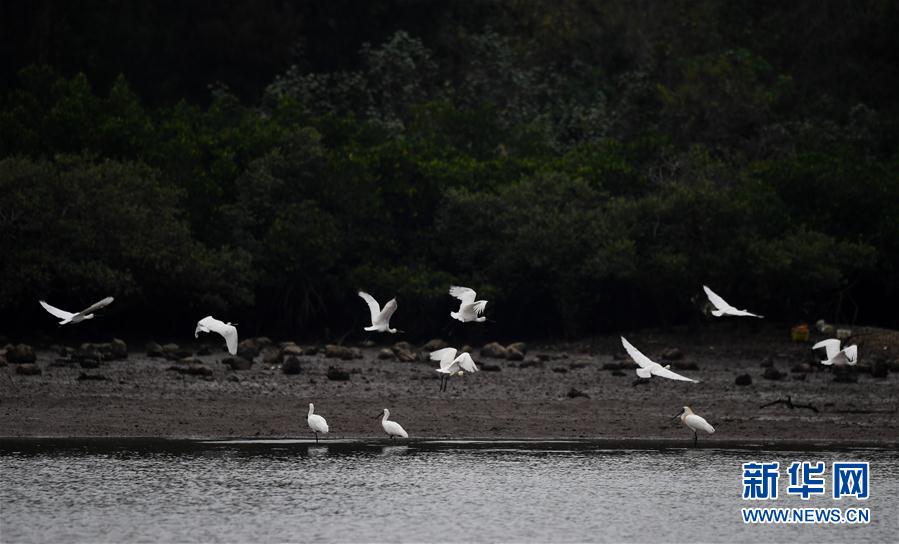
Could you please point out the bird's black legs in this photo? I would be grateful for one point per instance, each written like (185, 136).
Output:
(316, 437)
(695, 438)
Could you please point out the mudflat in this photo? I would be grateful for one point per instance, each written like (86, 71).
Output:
(583, 389)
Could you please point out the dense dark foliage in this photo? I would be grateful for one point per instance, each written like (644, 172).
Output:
(585, 165)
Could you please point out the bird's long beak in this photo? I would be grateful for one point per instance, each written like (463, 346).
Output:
(677, 415)
(376, 416)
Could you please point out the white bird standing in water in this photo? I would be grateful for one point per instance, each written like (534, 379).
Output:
(69, 317)
(649, 368)
(316, 422)
(380, 319)
(392, 428)
(835, 355)
(469, 309)
(227, 330)
(694, 422)
(723, 308)
(450, 365)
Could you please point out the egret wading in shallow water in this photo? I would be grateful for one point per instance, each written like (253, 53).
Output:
(69, 317)
(649, 368)
(450, 365)
(723, 308)
(835, 355)
(227, 330)
(469, 309)
(392, 428)
(316, 422)
(380, 319)
(694, 422)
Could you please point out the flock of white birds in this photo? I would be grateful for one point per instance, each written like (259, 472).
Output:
(453, 363)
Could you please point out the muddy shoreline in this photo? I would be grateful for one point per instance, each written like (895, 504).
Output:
(563, 390)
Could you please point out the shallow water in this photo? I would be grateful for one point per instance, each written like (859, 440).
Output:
(164, 491)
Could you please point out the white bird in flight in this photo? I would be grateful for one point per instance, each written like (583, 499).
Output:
(316, 422)
(69, 317)
(227, 330)
(450, 365)
(835, 355)
(723, 308)
(392, 428)
(694, 422)
(380, 319)
(469, 309)
(649, 368)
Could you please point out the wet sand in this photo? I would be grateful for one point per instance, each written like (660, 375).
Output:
(141, 398)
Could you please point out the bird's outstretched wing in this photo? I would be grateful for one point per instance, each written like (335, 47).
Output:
(466, 363)
(464, 294)
(373, 306)
(635, 354)
(97, 305)
(663, 372)
(716, 301)
(479, 307)
(831, 347)
(62, 314)
(228, 331)
(387, 312)
(851, 354)
(445, 356)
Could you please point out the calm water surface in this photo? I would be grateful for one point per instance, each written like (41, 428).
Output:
(162, 491)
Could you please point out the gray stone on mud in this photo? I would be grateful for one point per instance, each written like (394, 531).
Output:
(20, 354)
(386, 354)
(84, 376)
(767, 362)
(434, 344)
(153, 350)
(405, 356)
(248, 348)
(743, 380)
(772, 373)
(518, 346)
(28, 369)
(514, 354)
(334, 351)
(493, 350)
(337, 375)
(237, 363)
(575, 393)
(174, 352)
(291, 366)
(290, 350)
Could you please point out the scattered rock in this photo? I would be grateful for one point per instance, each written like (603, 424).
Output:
(434, 345)
(531, 362)
(575, 393)
(312, 350)
(772, 373)
(368, 344)
(518, 346)
(560, 369)
(386, 354)
(767, 362)
(487, 367)
(743, 380)
(684, 365)
(356, 353)
(2, 361)
(195, 369)
(672, 354)
(28, 369)
(333, 351)
(514, 354)
(493, 350)
(403, 345)
(271, 355)
(543, 357)
(263, 341)
(337, 375)
(153, 350)
(466, 349)
(290, 350)
(577, 365)
(20, 354)
(237, 363)
(291, 366)
(82, 377)
(233, 378)
(115, 350)
(174, 352)
(843, 334)
(403, 353)
(89, 363)
(248, 348)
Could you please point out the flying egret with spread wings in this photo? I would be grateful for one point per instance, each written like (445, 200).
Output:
(451, 365)
(380, 318)
(469, 309)
(227, 330)
(649, 368)
(69, 317)
(392, 428)
(723, 308)
(694, 422)
(835, 355)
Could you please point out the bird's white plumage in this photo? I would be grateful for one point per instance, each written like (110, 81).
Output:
(69, 317)
(316, 422)
(392, 428)
(380, 318)
(466, 363)
(835, 355)
(695, 422)
(722, 307)
(648, 367)
(469, 308)
(227, 330)
(452, 364)
(445, 356)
